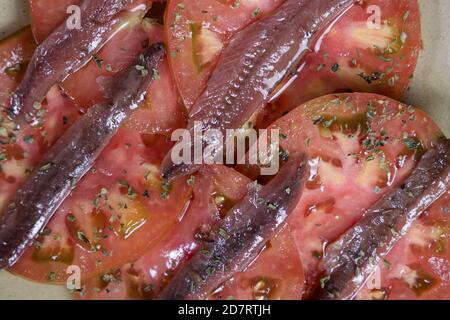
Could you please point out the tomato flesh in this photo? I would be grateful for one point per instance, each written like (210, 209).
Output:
(118, 209)
(196, 32)
(358, 55)
(418, 266)
(347, 57)
(360, 146)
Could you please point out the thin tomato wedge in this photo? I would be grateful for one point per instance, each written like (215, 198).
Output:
(372, 48)
(360, 146)
(418, 267)
(197, 31)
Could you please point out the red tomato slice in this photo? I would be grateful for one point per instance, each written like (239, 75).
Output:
(68, 242)
(161, 112)
(15, 52)
(86, 86)
(361, 146)
(197, 31)
(120, 208)
(216, 189)
(22, 149)
(357, 56)
(47, 15)
(276, 274)
(418, 267)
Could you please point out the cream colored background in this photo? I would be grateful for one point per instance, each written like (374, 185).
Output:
(430, 90)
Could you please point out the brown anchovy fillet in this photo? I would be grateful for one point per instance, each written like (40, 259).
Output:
(63, 52)
(71, 157)
(241, 236)
(251, 67)
(352, 259)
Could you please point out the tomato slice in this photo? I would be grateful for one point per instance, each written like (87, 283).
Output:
(276, 274)
(196, 32)
(347, 58)
(79, 233)
(86, 86)
(418, 266)
(47, 15)
(22, 149)
(357, 55)
(118, 209)
(216, 189)
(360, 146)
(15, 52)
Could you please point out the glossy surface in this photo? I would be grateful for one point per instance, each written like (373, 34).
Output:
(350, 260)
(252, 66)
(241, 236)
(63, 167)
(358, 55)
(63, 52)
(358, 146)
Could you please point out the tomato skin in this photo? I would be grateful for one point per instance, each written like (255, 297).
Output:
(358, 145)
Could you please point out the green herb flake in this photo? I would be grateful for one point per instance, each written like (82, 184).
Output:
(45, 167)
(156, 75)
(256, 12)
(98, 61)
(51, 276)
(323, 281)
(191, 180)
(387, 264)
(272, 206)
(335, 67)
(411, 143)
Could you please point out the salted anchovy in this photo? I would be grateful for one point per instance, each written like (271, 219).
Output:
(241, 236)
(353, 258)
(255, 62)
(70, 158)
(63, 52)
